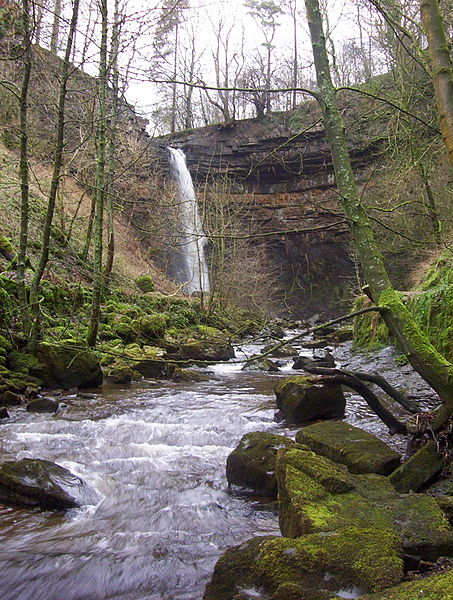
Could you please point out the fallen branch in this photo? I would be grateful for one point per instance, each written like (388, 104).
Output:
(371, 378)
(343, 378)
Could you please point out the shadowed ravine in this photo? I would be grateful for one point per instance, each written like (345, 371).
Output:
(156, 452)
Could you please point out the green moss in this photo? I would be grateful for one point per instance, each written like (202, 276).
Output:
(369, 330)
(312, 501)
(365, 557)
(391, 300)
(145, 283)
(360, 451)
(436, 587)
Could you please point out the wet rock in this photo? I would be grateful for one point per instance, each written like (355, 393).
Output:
(206, 350)
(4, 413)
(260, 364)
(233, 571)
(301, 401)
(421, 468)
(300, 362)
(314, 344)
(119, 372)
(317, 495)
(67, 367)
(314, 567)
(435, 587)
(41, 483)
(178, 374)
(251, 465)
(9, 398)
(280, 352)
(87, 395)
(31, 393)
(359, 450)
(44, 405)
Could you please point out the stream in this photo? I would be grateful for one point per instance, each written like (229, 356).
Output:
(156, 453)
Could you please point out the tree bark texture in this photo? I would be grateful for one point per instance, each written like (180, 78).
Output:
(100, 180)
(56, 172)
(442, 67)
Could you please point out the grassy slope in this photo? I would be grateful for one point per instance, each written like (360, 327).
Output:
(74, 204)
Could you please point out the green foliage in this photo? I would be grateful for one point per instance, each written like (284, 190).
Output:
(369, 330)
(145, 283)
(432, 304)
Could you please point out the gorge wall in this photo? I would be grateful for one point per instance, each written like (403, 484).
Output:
(278, 170)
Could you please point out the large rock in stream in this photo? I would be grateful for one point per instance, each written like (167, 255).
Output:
(251, 465)
(317, 495)
(359, 450)
(67, 366)
(346, 564)
(300, 400)
(41, 483)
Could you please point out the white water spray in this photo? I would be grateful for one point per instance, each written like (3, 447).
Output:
(193, 267)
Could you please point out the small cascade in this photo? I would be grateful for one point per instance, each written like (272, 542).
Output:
(192, 267)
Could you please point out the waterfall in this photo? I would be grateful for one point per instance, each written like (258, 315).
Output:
(192, 267)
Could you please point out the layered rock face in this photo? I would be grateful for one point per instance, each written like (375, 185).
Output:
(279, 173)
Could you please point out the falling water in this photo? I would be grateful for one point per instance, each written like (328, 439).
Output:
(192, 267)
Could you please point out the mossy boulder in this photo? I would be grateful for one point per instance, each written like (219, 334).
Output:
(421, 468)
(23, 362)
(359, 450)
(9, 398)
(153, 326)
(207, 348)
(260, 364)
(300, 400)
(318, 495)
(234, 571)
(178, 374)
(34, 482)
(119, 372)
(313, 567)
(281, 351)
(251, 465)
(67, 366)
(145, 283)
(446, 505)
(435, 587)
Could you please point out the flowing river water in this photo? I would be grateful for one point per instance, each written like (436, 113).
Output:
(156, 453)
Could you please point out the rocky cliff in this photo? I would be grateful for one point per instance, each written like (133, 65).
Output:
(279, 170)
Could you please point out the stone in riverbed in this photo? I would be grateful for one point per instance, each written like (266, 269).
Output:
(41, 483)
(317, 495)
(251, 465)
(418, 470)
(43, 405)
(67, 366)
(260, 364)
(8, 398)
(300, 400)
(3, 413)
(312, 567)
(360, 451)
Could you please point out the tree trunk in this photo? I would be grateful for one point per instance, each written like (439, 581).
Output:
(114, 49)
(23, 164)
(55, 26)
(439, 51)
(425, 359)
(100, 181)
(58, 159)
